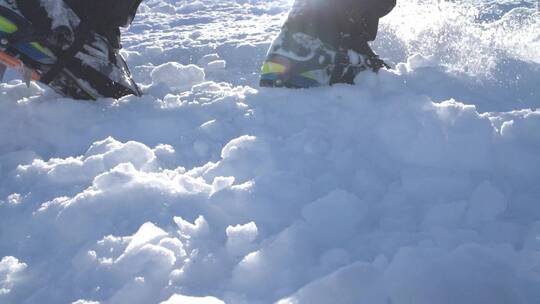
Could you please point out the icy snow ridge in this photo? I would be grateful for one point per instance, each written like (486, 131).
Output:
(400, 189)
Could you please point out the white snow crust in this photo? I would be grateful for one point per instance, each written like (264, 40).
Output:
(10, 268)
(417, 185)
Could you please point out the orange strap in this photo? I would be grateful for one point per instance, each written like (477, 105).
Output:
(15, 63)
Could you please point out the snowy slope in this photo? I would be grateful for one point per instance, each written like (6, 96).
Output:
(417, 185)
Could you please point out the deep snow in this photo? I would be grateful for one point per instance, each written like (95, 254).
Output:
(417, 185)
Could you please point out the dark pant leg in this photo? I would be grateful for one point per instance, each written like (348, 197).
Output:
(34, 12)
(346, 24)
(106, 16)
(361, 18)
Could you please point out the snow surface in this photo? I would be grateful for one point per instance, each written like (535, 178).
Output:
(417, 185)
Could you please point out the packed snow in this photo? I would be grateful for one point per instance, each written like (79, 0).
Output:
(417, 185)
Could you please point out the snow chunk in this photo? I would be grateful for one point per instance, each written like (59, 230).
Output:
(216, 66)
(120, 176)
(14, 199)
(149, 259)
(10, 269)
(241, 237)
(234, 146)
(199, 228)
(221, 183)
(133, 152)
(146, 234)
(102, 156)
(181, 299)
(206, 59)
(177, 76)
(138, 262)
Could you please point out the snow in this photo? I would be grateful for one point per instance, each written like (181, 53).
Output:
(216, 66)
(180, 299)
(176, 75)
(416, 185)
(240, 238)
(10, 268)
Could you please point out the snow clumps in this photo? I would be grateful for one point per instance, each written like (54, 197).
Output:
(10, 270)
(240, 238)
(417, 185)
(177, 76)
(180, 299)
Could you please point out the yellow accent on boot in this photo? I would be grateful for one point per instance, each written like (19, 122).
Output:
(7, 26)
(272, 67)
